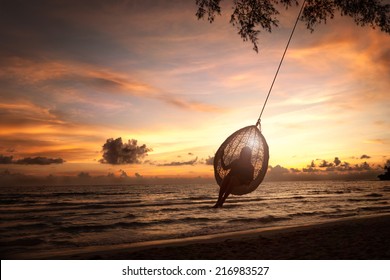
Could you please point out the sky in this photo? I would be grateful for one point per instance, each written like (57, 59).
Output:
(75, 74)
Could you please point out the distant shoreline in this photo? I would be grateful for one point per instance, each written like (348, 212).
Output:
(347, 238)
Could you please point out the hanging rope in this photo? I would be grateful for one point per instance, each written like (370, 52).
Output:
(281, 61)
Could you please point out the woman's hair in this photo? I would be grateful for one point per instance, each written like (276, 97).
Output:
(246, 153)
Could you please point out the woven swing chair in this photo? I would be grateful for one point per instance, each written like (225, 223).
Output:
(229, 151)
(251, 137)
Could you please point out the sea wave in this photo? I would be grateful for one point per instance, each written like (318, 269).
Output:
(263, 220)
(49, 217)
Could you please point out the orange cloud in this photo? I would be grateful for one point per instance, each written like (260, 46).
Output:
(47, 74)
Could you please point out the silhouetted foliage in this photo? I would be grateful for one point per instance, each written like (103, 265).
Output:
(30, 160)
(250, 16)
(386, 175)
(40, 160)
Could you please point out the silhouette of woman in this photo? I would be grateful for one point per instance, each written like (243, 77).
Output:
(241, 173)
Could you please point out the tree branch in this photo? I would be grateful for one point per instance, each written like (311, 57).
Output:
(252, 16)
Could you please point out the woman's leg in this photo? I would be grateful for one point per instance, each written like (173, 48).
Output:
(222, 189)
(233, 182)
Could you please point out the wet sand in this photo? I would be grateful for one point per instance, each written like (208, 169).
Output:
(352, 238)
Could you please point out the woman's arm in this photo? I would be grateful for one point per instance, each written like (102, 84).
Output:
(224, 166)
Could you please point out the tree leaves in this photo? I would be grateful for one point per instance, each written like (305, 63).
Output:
(252, 16)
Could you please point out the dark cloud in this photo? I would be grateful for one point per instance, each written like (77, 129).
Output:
(31, 160)
(39, 160)
(277, 173)
(362, 167)
(295, 170)
(209, 160)
(326, 170)
(278, 170)
(5, 159)
(345, 166)
(179, 163)
(190, 154)
(310, 169)
(325, 164)
(338, 166)
(331, 168)
(365, 157)
(116, 152)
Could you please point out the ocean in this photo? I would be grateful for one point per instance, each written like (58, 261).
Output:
(56, 218)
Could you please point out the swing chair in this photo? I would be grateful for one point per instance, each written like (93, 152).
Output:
(251, 137)
(229, 151)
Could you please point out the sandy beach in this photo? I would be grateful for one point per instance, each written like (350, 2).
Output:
(350, 238)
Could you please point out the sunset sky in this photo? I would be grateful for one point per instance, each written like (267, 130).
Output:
(76, 73)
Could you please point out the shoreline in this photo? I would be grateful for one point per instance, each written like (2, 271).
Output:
(346, 238)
